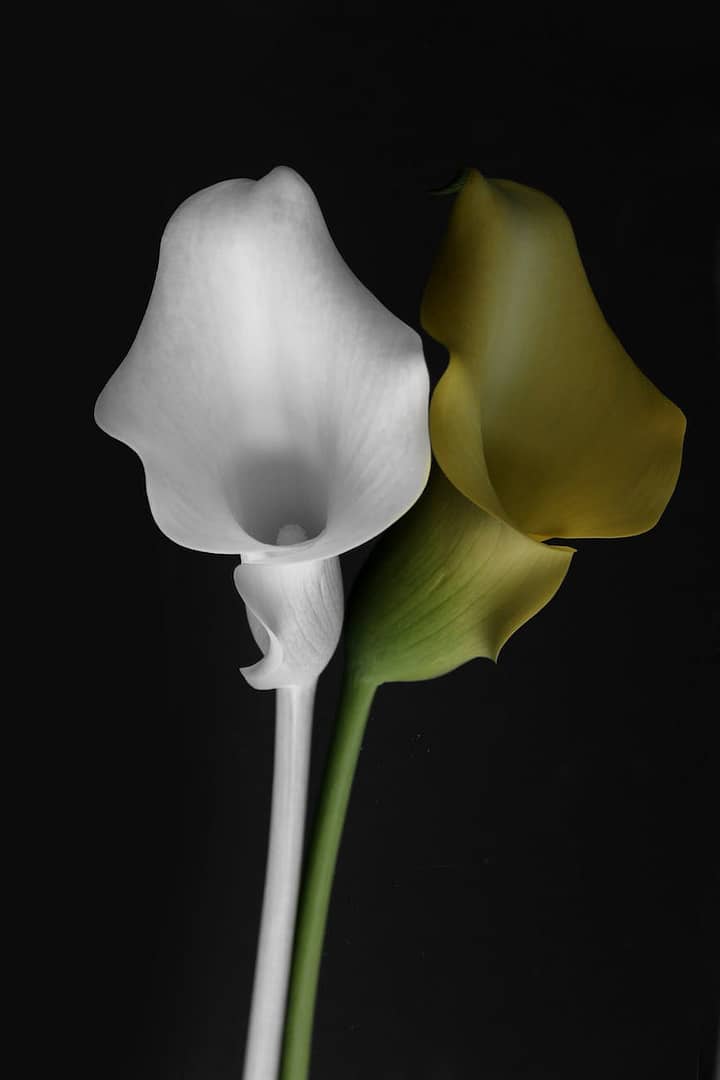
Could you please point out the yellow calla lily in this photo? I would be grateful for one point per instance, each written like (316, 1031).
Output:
(543, 427)
(541, 417)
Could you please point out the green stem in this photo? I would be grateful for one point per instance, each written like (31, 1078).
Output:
(355, 705)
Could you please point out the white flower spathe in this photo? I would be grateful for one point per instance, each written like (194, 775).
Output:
(266, 386)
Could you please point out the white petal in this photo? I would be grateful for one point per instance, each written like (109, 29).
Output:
(295, 611)
(266, 384)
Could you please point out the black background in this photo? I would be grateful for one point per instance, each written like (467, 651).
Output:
(527, 881)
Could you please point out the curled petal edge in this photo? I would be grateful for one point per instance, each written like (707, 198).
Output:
(295, 612)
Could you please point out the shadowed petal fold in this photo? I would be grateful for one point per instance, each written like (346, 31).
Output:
(541, 417)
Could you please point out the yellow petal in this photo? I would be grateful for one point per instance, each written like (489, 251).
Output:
(541, 417)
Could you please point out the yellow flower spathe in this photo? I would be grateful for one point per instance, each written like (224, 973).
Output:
(541, 418)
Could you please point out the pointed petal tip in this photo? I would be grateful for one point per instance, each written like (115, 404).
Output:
(285, 177)
(456, 184)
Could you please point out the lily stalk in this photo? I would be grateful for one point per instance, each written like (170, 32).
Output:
(293, 736)
(356, 701)
(295, 613)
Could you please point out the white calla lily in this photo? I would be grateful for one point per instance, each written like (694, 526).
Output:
(267, 386)
(280, 413)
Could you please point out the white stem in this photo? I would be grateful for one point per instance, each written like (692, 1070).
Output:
(293, 734)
